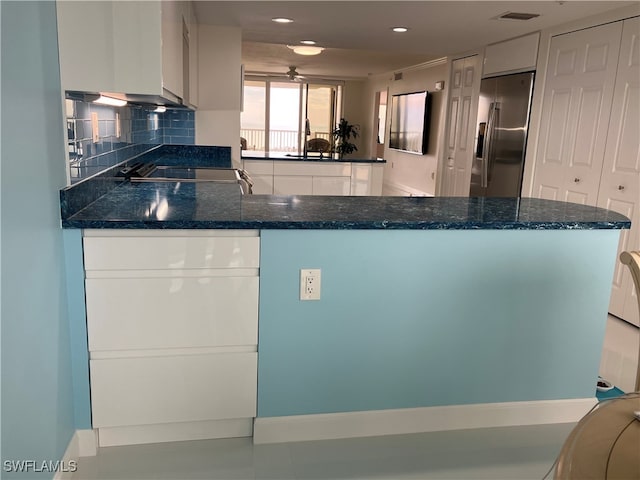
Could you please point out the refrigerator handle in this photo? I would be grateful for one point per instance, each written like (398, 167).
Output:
(487, 145)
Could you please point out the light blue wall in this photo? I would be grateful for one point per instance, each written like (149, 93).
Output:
(74, 267)
(37, 403)
(425, 318)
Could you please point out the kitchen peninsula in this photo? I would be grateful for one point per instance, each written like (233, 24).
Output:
(434, 314)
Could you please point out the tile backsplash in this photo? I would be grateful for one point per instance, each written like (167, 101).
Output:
(101, 136)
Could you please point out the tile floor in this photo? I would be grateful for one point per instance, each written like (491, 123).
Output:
(620, 354)
(495, 453)
(511, 453)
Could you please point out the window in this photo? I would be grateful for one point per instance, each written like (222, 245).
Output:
(280, 117)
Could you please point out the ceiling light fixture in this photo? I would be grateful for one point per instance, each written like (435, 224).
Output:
(308, 42)
(160, 109)
(282, 20)
(305, 49)
(114, 102)
(400, 29)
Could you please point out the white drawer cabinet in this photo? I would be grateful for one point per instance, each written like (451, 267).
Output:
(293, 185)
(170, 389)
(262, 184)
(259, 167)
(331, 186)
(172, 320)
(301, 177)
(329, 169)
(170, 252)
(171, 312)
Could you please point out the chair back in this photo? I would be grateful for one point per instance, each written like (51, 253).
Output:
(321, 145)
(632, 260)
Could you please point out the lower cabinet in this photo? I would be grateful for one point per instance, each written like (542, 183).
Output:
(293, 185)
(173, 388)
(332, 186)
(173, 333)
(171, 312)
(262, 184)
(314, 178)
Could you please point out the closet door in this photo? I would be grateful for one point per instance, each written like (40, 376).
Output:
(462, 111)
(620, 184)
(575, 113)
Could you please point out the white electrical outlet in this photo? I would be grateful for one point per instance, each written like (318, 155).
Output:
(310, 284)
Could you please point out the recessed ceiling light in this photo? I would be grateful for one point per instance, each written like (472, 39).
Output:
(400, 29)
(282, 20)
(308, 42)
(305, 49)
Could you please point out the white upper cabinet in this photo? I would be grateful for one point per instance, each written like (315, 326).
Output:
(192, 67)
(518, 54)
(136, 47)
(110, 46)
(172, 53)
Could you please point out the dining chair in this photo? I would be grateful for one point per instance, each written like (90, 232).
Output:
(321, 145)
(632, 260)
(605, 444)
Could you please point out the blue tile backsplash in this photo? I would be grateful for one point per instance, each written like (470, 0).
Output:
(122, 133)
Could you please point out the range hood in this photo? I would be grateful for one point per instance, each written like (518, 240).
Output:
(168, 99)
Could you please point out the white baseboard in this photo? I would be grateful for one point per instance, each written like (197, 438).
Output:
(83, 443)
(175, 432)
(417, 420)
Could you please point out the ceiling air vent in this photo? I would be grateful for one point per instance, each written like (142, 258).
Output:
(397, 76)
(517, 16)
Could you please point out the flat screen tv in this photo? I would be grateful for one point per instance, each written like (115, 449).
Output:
(410, 113)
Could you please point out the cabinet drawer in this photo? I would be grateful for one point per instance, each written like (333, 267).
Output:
(167, 252)
(331, 186)
(258, 167)
(171, 312)
(262, 184)
(292, 185)
(332, 169)
(151, 390)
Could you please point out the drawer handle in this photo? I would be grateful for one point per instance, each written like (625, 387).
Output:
(620, 187)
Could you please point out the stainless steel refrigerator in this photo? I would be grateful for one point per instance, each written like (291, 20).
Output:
(501, 135)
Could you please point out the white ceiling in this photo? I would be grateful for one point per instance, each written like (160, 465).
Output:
(357, 34)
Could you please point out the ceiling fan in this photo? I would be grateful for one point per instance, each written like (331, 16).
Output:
(294, 75)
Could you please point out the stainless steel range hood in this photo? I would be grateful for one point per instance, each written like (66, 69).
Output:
(168, 99)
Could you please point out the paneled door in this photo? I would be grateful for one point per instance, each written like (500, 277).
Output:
(575, 113)
(461, 114)
(620, 185)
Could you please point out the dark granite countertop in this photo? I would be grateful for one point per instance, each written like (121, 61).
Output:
(311, 158)
(175, 205)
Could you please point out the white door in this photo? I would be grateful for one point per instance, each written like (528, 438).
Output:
(463, 106)
(575, 113)
(620, 184)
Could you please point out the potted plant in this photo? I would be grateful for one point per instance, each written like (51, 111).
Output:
(344, 132)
